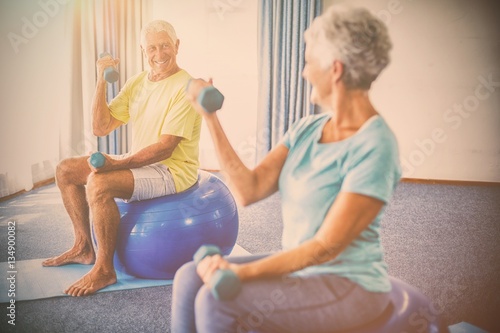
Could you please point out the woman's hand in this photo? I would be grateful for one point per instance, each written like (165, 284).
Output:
(210, 264)
(194, 88)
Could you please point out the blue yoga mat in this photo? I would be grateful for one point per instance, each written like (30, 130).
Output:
(464, 327)
(34, 281)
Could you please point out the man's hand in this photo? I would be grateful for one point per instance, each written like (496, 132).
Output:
(109, 164)
(105, 62)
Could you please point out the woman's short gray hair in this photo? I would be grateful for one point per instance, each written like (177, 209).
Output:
(157, 26)
(356, 38)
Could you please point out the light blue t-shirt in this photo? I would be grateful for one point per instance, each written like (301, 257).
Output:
(313, 175)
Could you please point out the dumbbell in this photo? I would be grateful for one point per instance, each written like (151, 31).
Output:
(97, 160)
(110, 73)
(210, 98)
(224, 284)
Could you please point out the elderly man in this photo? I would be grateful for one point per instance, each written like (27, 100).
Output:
(163, 159)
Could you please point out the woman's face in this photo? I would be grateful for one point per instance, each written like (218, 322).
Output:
(319, 77)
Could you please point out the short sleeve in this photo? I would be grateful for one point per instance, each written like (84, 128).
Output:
(119, 106)
(373, 170)
(287, 137)
(181, 118)
(299, 129)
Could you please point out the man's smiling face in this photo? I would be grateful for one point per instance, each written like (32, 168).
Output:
(161, 52)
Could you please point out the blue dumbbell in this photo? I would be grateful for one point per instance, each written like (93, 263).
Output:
(110, 73)
(224, 284)
(211, 99)
(97, 160)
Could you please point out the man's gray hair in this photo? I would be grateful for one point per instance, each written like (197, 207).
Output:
(157, 26)
(356, 38)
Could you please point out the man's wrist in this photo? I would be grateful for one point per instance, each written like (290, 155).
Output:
(101, 82)
(121, 164)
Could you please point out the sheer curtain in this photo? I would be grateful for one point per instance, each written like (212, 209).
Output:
(111, 26)
(50, 80)
(283, 94)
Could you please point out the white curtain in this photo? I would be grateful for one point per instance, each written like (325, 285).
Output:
(111, 26)
(46, 114)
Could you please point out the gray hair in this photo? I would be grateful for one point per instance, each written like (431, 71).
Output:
(356, 38)
(157, 26)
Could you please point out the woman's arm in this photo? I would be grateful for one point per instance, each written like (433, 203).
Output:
(348, 216)
(248, 186)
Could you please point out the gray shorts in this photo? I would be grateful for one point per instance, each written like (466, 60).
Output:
(150, 181)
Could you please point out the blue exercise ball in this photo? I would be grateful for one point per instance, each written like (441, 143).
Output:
(158, 236)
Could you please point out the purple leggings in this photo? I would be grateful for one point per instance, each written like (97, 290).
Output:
(317, 303)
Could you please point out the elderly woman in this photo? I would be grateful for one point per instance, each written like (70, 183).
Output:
(335, 172)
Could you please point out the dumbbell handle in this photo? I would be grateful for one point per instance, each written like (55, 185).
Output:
(224, 283)
(97, 160)
(110, 73)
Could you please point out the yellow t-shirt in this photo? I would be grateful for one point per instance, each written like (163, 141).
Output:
(157, 108)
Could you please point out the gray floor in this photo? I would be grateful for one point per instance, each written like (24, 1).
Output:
(442, 239)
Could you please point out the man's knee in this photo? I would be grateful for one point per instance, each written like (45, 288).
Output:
(66, 171)
(97, 188)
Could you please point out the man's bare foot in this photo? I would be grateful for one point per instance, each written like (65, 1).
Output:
(91, 282)
(72, 256)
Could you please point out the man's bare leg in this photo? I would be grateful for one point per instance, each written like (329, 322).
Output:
(101, 191)
(71, 177)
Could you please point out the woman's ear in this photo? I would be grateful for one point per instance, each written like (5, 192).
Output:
(337, 71)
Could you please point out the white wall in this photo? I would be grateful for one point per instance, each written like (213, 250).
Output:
(443, 52)
(35, 89)
(220, 42)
